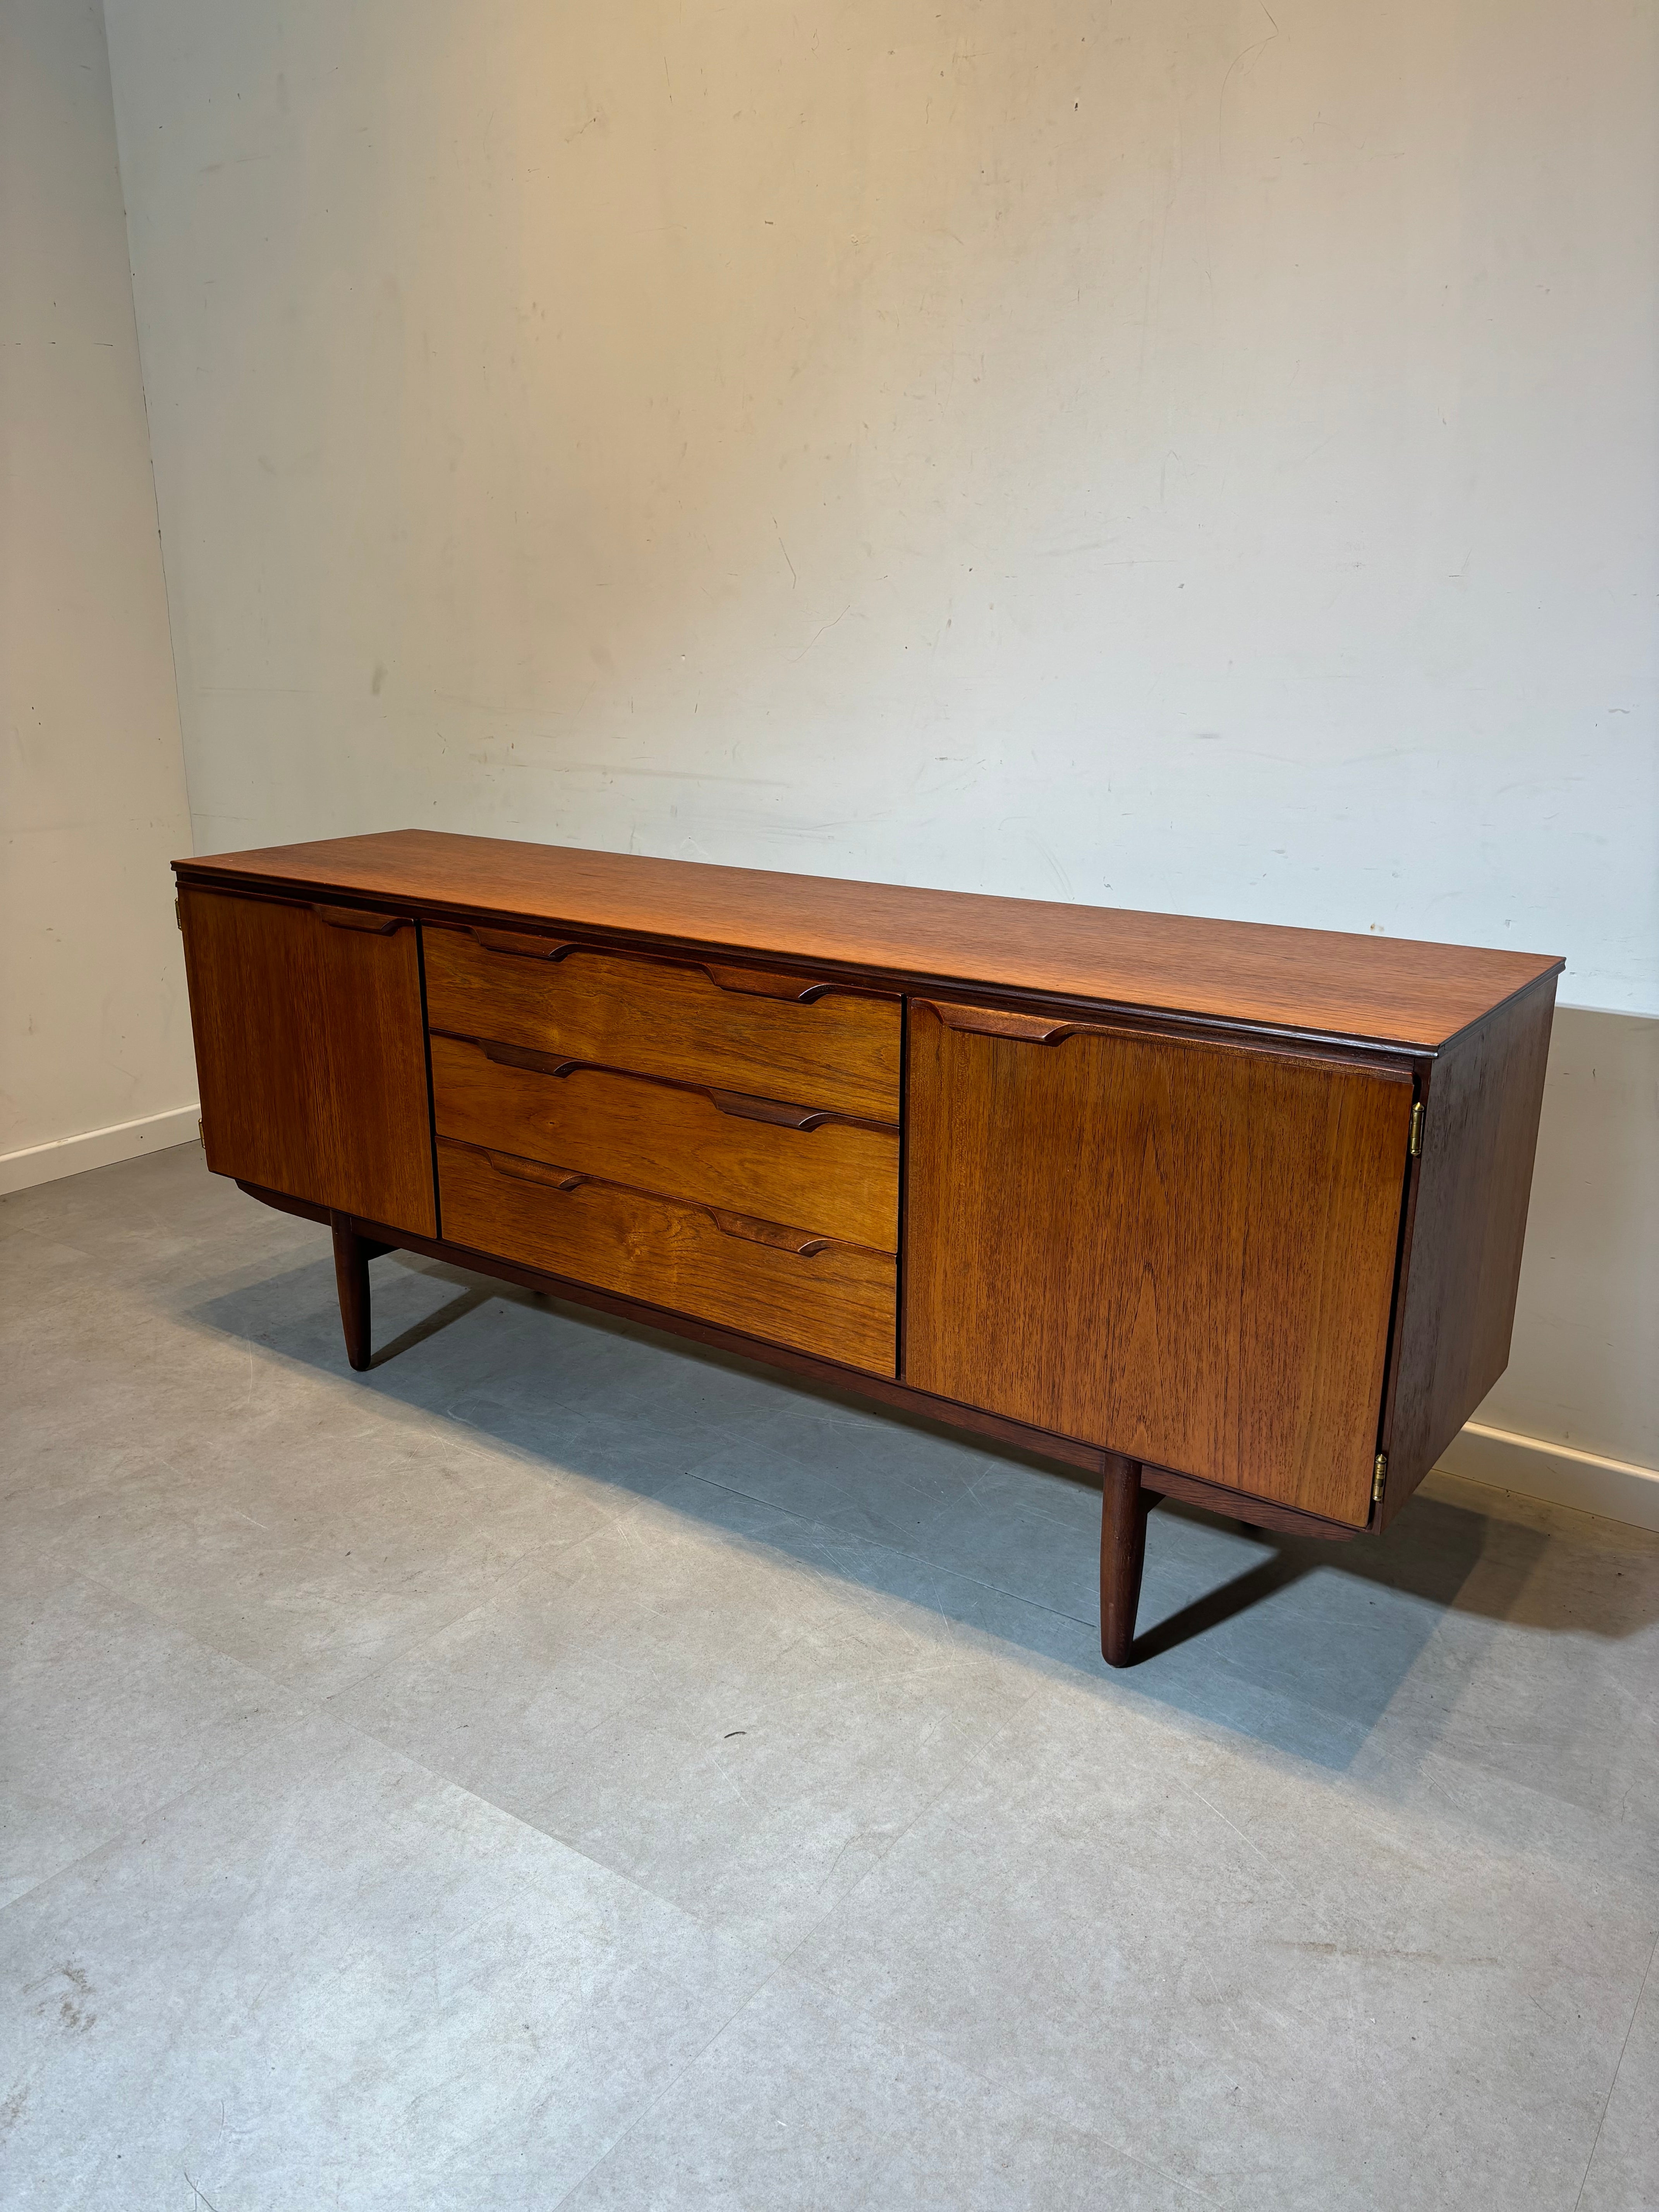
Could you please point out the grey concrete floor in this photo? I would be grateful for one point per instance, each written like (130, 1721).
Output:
(564, 1768)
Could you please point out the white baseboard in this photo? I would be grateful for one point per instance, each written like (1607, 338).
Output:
(1613, 1488)
(96, 1148)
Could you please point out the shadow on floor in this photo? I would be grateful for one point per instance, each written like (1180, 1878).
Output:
(1298, 1644)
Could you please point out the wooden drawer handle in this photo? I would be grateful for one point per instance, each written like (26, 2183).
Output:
(520, 943)
(801, 1241)
(756, 983)
(993, 1021)
(522, 1056)
(798, 1241)
(735, 1102)
(745, 1109)
(521, 1170)
(352, 917)
(752, 982)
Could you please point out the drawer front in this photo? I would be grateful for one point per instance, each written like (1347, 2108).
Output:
(840, 1049)
(830, 1177)
(831, 1299)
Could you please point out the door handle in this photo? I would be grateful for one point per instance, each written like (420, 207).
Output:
(353, 917)
(1000, 1022)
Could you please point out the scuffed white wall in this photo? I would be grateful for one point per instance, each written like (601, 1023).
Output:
(95, 1060)
(1132, 453)
(1163, 454)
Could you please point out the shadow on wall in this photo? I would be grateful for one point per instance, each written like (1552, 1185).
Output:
(1301, 1646)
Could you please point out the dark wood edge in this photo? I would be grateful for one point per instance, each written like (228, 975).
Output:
(431, 1088)
(856, 1381)
(1551, 975)
(1379, 1515)
(390, 914)
(900, 1302)
(1397, 1494)
(1004, 1026)
(284, 1204)
(868, 981)
(1238, 1505)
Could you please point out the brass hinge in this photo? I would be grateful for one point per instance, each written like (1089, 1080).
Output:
(1416, 1145)
(201, 1134)
(1379, 1477)
(178, 913)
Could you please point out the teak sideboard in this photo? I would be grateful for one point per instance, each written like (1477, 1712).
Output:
(1213, 1210)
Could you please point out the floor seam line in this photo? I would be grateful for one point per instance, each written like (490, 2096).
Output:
(1618, 2067)
(651, 2103)
(919, 2039)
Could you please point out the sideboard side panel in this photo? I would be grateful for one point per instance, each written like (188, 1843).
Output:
(311, 1052)
(1474, 1178)
(1179, 1253)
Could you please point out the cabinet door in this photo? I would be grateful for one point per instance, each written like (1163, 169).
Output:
(1181, 1252)
(311, 1050)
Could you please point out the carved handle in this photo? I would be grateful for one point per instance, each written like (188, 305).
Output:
(738, 1104)
(995, 1021)
(508, 1164)
(351, 917)
(756, 983)
(745, 1109)
(519, 942)
(753, 982)
(801, 1241)
(521, 1055)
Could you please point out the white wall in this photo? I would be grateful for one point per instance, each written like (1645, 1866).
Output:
(96, 1058)
(1575, 1417)
(1160, 453)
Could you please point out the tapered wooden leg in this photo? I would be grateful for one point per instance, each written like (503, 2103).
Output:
(1124, 1506)
(352, 1255)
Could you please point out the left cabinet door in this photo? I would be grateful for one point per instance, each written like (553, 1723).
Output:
(311, 1051)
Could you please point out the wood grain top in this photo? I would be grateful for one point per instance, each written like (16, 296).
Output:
(1389, 992)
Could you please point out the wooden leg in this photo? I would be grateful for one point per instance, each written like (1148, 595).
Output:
(1124, 1506)
(352, 1255)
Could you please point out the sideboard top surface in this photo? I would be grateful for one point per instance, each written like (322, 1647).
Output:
(1383, 991)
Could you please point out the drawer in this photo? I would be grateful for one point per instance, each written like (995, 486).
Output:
(837, 1178)
(827, 1047)
(782, 1285)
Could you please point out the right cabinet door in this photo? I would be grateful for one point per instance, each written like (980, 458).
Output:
(1180, 1252)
